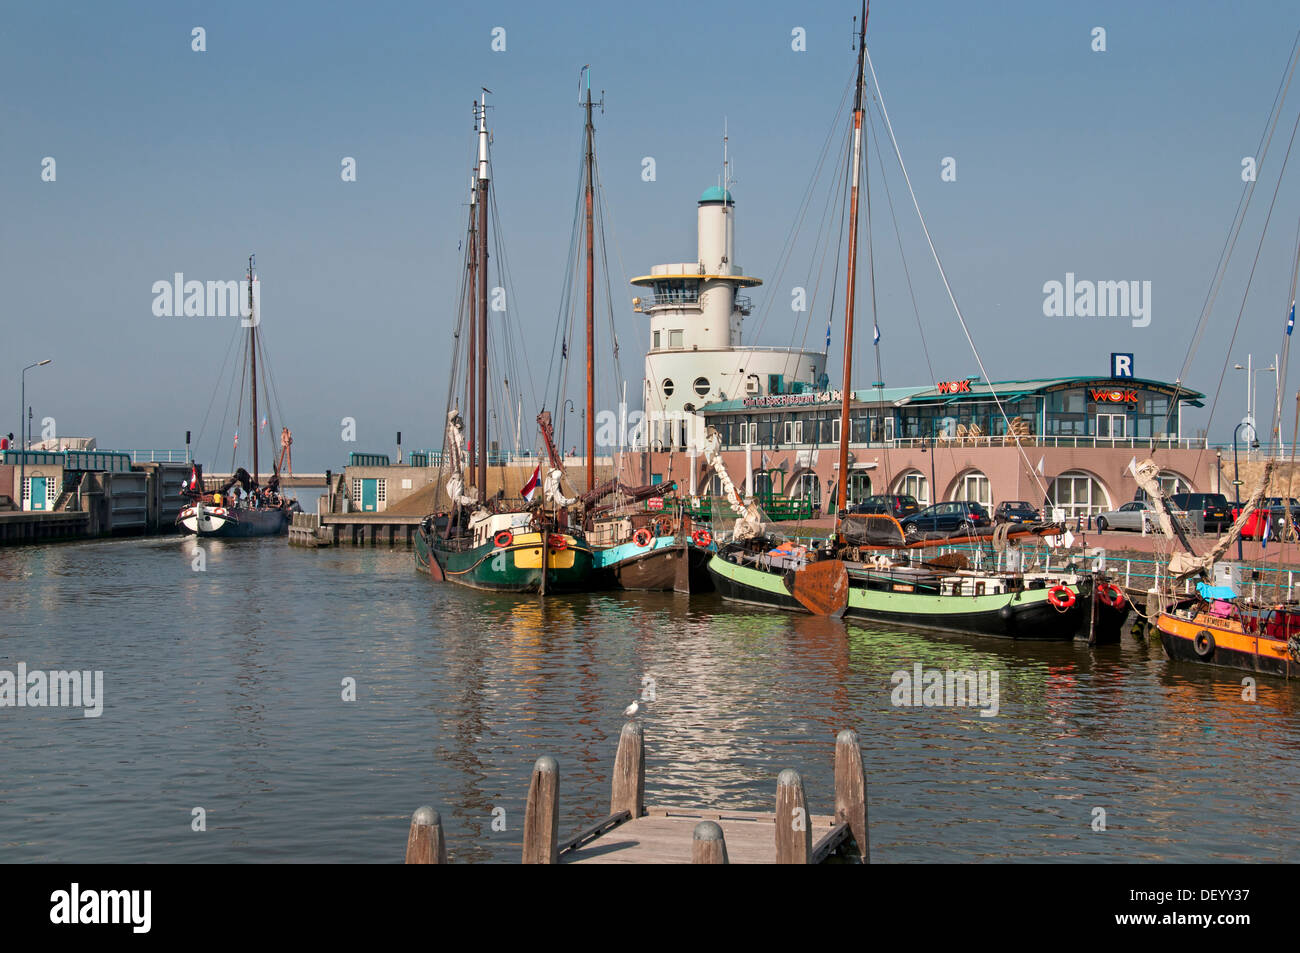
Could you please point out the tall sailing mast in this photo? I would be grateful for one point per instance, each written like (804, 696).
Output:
(847, 393)
(252, 355)
(480, 437)
(471, 370)
(591, 300)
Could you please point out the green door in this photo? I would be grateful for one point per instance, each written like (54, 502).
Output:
(369, 495)
(38, 493)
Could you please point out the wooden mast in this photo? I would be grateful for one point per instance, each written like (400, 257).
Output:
(480, 438)
(252, 353)
(847, 394)
(471, 370)
(591, 303)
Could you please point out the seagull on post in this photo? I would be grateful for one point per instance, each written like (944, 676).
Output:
(631, 710)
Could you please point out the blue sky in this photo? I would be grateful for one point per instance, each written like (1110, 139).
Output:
(1123, 165)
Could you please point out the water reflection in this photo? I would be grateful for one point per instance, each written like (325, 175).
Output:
(224, 690)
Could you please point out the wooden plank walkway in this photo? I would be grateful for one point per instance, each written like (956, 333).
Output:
(665, 836)
(631, 834)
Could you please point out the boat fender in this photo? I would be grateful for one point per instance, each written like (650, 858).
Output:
(558, 543)
(702, 538)
(1006, 614)
(1061, 597)
(1110, 595)
(503, 539)
(642, 537)
(1203, 643)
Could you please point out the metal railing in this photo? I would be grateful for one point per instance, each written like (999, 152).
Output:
(157, 456)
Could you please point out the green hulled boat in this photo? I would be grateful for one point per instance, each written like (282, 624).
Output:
(505, 552)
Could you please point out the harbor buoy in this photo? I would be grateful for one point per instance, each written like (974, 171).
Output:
(1110, 595)
(558, 543)
(1061, 597)
(503, 539)
(1203, 643)
(642, 537)
(702, 538)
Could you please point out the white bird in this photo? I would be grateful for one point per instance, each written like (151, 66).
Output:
(632, 709)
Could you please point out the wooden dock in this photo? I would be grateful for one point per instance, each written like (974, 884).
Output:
(635, 834)
(356, 529)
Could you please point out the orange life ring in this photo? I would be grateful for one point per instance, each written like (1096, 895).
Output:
(642, 537)
(1061, 597)
(1110, 595)
(503, 539)
(702, 538)
(558, 543)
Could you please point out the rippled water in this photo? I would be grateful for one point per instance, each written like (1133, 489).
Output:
(224, 692)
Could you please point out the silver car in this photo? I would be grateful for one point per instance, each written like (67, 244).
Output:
(1134, 515)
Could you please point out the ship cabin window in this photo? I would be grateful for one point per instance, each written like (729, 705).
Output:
(701, 386)
(668, 387)
(675, 339)
(656, 341)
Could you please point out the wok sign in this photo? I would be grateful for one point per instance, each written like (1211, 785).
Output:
(1114, 396)
(954, 387)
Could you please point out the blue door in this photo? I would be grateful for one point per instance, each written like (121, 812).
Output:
(369, 495)
(38, 493)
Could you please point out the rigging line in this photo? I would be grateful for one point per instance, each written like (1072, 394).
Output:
(935, 252)
(1223, 372)
(563, 318)
(902, 257)
(221, 375)
(839, 186)
(506, 274)
(875, 325)
(1234, 231)
(787, 250)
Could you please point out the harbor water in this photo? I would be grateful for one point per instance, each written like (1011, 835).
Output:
(226, 685)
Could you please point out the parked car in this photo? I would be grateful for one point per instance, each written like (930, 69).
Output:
(946, 518)
(1213, 506)
(1015, 511)
(1273, 510)
(1132, 515)
(897, 505)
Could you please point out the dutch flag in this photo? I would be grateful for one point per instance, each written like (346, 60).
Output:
(531, 486)
(1268, 531)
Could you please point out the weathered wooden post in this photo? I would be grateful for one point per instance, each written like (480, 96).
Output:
(542, 816)
(628, 792)
(425, 843)
(851, 790)
(708, 846)
(793, 838)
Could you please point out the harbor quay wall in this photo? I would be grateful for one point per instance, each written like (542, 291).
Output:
(1012, 473)
(84, 504)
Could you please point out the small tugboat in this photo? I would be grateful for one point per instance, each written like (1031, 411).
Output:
(657, 549)
(241, 506)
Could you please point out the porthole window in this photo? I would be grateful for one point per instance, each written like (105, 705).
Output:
(701, 385)
(668, 388)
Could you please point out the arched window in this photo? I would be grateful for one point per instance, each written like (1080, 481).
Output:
(1078, 493)
(974, 486)
(915, 484)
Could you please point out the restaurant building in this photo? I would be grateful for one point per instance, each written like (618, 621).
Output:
(1069, 440)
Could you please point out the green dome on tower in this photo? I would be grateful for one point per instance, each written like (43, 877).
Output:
(716, 193)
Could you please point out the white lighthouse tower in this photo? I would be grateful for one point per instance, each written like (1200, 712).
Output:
(697, 355)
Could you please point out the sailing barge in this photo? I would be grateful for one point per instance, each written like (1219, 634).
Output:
(241, 507)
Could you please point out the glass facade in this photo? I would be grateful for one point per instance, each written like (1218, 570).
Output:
(1089, 414)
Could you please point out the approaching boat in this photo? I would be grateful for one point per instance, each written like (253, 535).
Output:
(241, 507)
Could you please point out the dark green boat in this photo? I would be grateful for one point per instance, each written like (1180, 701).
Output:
(503, 552)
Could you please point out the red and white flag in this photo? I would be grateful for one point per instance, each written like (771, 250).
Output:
(531, 486)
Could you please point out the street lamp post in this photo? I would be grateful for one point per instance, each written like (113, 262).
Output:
(22, 434)
(1236, 476)
(568, 404)
(930, 441)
